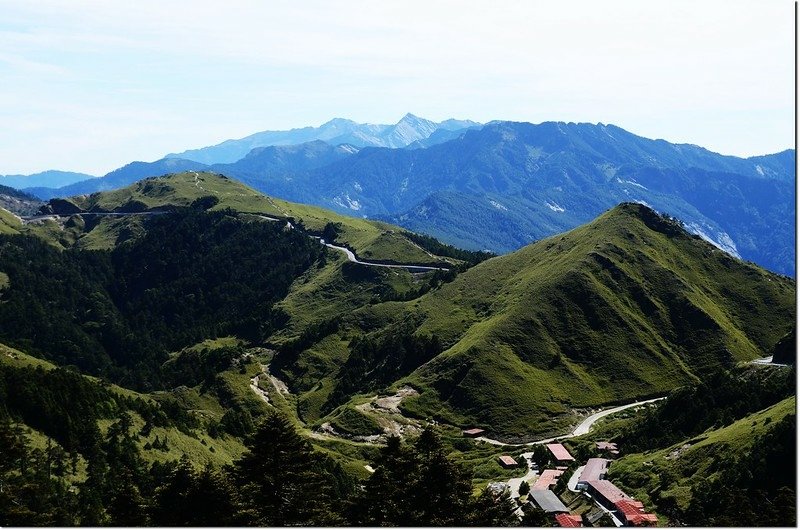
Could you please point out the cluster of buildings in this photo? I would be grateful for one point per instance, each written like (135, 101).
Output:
(543, 498)
(593, 481)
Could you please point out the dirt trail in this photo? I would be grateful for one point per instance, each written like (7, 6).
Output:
(263, 394)
(388, 406)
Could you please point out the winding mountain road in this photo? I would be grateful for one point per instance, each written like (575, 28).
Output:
(583, 428)
(352, 257)
(349, 253)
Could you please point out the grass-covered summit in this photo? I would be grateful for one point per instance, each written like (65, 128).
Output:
(369, 239)
(627, 306)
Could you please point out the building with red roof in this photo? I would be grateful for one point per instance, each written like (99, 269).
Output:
(560, 453)
(611, 447)
(506, 461)
(633, 513)
(606, 493)
(548, 478)
(473, 433)
(567, 520)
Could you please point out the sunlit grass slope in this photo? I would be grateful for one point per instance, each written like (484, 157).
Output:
(627, 306)
(370, 239)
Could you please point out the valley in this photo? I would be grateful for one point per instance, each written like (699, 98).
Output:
(210, 308)
(406, 264)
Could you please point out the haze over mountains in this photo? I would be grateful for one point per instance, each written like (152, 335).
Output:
(49, 179)
(408, 130)
(505, 184)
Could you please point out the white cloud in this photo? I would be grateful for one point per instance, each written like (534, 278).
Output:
(158, 76)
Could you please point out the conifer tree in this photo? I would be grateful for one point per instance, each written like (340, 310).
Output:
(279, 480)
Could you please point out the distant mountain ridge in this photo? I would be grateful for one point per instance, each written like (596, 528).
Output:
(18, 202)
(508, 184)
(337, 131)
(503, 185)
(118, 178)
(46, 179)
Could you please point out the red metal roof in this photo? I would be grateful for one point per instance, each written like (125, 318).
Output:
(473, 431)
(609, 491)
(548, 478)
(507, 460)
(594, 470)
(566, 520)
(560, 452)
(633, 512)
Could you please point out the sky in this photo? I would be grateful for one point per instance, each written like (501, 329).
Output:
(92, 85)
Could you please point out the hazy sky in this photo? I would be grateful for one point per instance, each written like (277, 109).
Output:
(89, 85)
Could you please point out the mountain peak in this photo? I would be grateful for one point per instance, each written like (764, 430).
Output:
(652, 219)
(411, 117)
(335, 121)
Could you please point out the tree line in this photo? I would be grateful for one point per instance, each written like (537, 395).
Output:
(279, 481)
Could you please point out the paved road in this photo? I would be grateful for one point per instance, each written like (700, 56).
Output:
(767, 361)
(352, 257)
(515, 483)
(584, 427)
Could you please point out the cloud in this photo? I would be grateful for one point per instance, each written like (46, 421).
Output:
(196, 72)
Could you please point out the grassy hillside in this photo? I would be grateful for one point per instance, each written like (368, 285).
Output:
(9, 223)
(670, 478)
(179, 440)
(627, 306)
(370, 239)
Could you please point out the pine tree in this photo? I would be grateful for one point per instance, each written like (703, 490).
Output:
(170, 506)
(280, 482)
(127, 507)
(493, 511)
(417, 485)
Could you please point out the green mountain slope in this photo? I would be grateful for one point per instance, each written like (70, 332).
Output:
(627, 306)
(742, 474)
(70, 408)
(369, 239)
(9, 223)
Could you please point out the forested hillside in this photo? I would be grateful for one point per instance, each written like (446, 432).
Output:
(117, 313)
(722, 453)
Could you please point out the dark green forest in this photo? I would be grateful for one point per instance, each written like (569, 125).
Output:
(279, 481)
(193, 275)
(719, 400)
